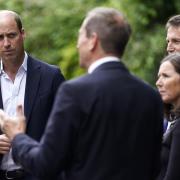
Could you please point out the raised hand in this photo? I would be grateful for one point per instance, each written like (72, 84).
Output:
(12, 126)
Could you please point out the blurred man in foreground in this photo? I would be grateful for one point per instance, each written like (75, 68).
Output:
(106, 124)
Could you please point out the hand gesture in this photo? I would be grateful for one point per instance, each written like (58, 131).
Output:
(12, 126)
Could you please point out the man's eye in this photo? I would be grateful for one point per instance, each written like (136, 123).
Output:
(177, 41)
(1, 37)
(12, 35)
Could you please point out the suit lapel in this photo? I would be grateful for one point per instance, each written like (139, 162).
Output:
(32, 86)
(168, 134)
(1, 107)
(1, 103)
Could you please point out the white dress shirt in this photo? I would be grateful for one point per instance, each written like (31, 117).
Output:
(12, 95)
(97, 63)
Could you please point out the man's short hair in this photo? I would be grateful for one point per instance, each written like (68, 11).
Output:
(173, 21)
(16, 17)
(111, 27)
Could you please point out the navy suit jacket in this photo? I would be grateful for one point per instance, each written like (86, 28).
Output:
(42, 82)
(104, 125)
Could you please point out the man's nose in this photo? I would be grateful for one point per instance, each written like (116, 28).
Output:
(6, 42)
(170, 47)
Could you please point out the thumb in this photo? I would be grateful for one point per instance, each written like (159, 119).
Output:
(19, 110)
(2, 114)
(2, 117)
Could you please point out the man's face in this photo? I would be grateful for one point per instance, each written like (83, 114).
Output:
(173, 39)
(82, 46)
(11, 39)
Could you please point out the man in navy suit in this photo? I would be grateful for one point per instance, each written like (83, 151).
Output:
(23, 80)
(106, 124)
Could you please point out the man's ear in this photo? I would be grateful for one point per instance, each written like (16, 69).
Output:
(93, 41)
(23, 33)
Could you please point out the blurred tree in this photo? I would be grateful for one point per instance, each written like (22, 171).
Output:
(52, 28)
(147, 45)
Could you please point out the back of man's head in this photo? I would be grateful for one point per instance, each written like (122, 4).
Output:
(111, 27)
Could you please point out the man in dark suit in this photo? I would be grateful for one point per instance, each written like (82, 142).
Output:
(106, 124)
(23, 80)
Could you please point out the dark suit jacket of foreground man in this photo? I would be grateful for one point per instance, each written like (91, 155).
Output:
(42, 82)
(104, 125)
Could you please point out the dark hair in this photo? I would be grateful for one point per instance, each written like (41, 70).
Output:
(18, 21)
(174, 59)
(112, 29)
(173, 21)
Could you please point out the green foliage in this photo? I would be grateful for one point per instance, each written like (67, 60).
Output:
(147, 46)
(52, 28)
(146, 52)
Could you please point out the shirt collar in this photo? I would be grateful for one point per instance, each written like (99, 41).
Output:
(98, 62)
(24, 64)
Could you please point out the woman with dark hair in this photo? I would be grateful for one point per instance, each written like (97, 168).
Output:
(168, 84)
